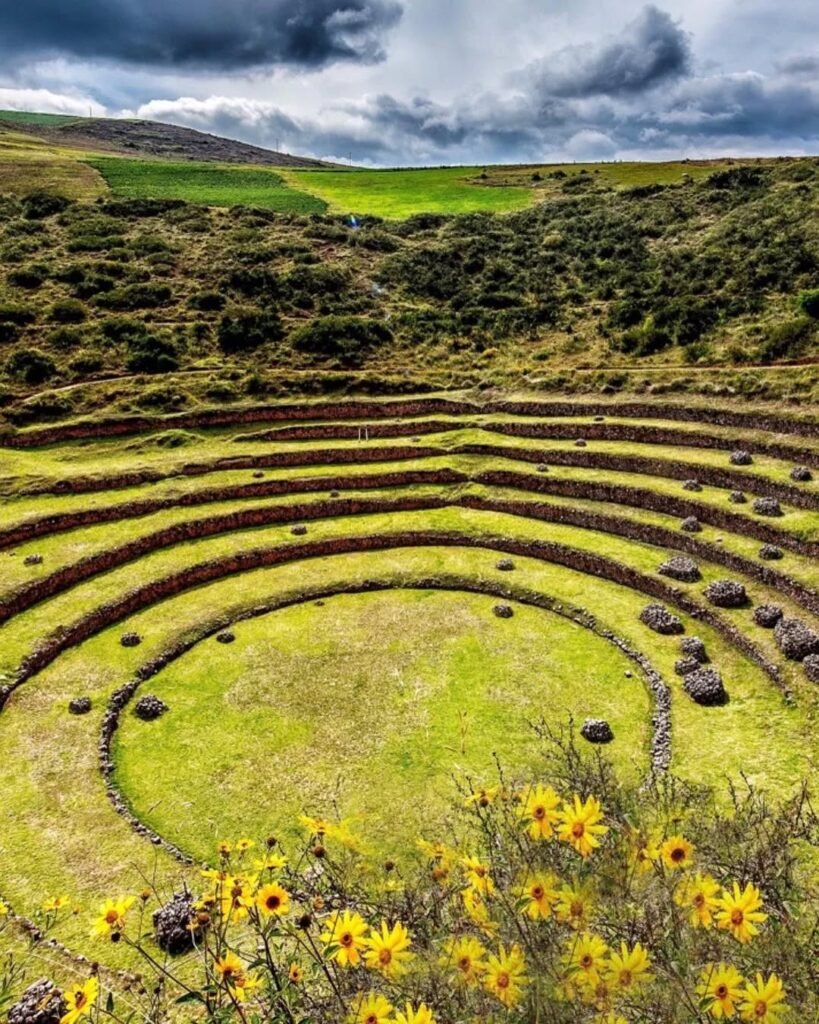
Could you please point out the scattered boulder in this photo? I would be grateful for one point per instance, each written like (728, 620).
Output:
(693, 647)
(681, 568)
(503, 611)
(685, 665)
(79, 706)
(692, 485)
(580, 443)
(705, 687)
(33, 560)
(299, 531)
(599, 419)
(41, 1003)
(767, 615)
(801, 474)
(258, 475)
(796, 640)
(541, 467)
(811, 667)
(770, 552)
(130, 639)
(505, 565)
(175, 928)
(727, 594)
(737, 498)
(740, 457)
(691, 525)
(596, 730)
(661, 620)
(225, 637)
(149, 708)
(767, 507)
(335, 494)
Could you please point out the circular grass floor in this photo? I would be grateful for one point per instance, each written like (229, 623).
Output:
(368, 705)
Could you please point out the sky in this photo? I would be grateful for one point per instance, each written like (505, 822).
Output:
(429, 82)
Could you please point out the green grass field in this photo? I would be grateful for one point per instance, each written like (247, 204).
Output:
(28, 117)
(207, 184)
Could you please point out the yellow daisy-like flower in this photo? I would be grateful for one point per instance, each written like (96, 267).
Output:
(4, 909)
(698, 895)
(224, 848)
(579, 824)
(423, 1015)
(585, 958)
(111, 917)
(478, 912)
(371, 1008)
(347, 931)
(739, 912)
(315, 826)
(55, 903)
(295, 974)
(539, 811)
(599, 996)
(629, 968)
(763, 1000)
(464, 958)
(272, 900)
(644, 851)
(720, 988)
(388, 950)
(539, 895)
(229, 967)
(477, 875)
(677, 853)
(483, 796)
(574, 905)
(242, 986)
(274, 862)
(611, 1018)
(505, 976)
(243, 845)
(235, 898)
(79, 1000)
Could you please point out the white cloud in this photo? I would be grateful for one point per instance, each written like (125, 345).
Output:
(47, 102)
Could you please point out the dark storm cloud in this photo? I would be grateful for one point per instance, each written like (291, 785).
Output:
(650, 50)
(807, 65)
(214, 35)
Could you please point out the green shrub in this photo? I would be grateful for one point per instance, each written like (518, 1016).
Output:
(68, 311)
(136, 296)
(85, 364)
(27, 277)
(808, 302)
(37, 205)
(244, 329)
(207, 302)
(153, 354)
(348, 338)
(787, 340)
(13, 313)
(31, 365)
(66, 338)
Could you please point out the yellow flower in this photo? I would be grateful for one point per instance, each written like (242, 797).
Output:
(315, 826)
(477, 910)
(580, 824)
(274, 862)
(465, 958)
(55, 903)
(676, 853)
(348, 932)
(243, 845)
(698, 896)
(272, 900)
(4, 909)
(423, 1015)
(763, 1000)
(371, 1008)
(235, 897)
(224, 848)
(505, 977)
(111, 916)
(720, 988)
(295, 975)
(645, 851)
(483, 796)
(539, 811)
(585, 958)
(628, 969)
(243, 985)
(388, 950)
(739, 912)
(598, 995)
(610, 1018)
(79, 1000)
(229, 967)
(574, 905)
(477, 875)
(539, 893)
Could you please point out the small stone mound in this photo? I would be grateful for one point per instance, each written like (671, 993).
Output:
(149, 708)
(693, 647)
(580, 443)
(503, 611)
(172, 924)
(795, 639)
(737, 498)
(685, 665)
(596, 730)
(770, 552)
(130, 639)
(705, 687)
(801, 474)
(505, 565)
(727, 594)
(767, 615)
(811, 667)
(41, 1003)
(661, 620)
(258, 475)
(299, 531)
(225, 637)
(541, 467)
(33, 560)
(692, 485)
(335, 494)
(79, 706)
(599, 419)
(681, 568)
(691, 525)
(741, 458)
(767, 507)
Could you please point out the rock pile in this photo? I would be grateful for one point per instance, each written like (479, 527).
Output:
(661, 620)
(705, 687)
(79, 706)
(801, 474)
(596, 730)
(503, 611)
(149, 708)
(173, 924)
(41, 1003)
(740, 457)
(727, 594)
(693, 647)
(130, 639)
(770, 552)
(795, 639)
(691, 525)
(767, 507)
(767, 615)
(681, 568)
